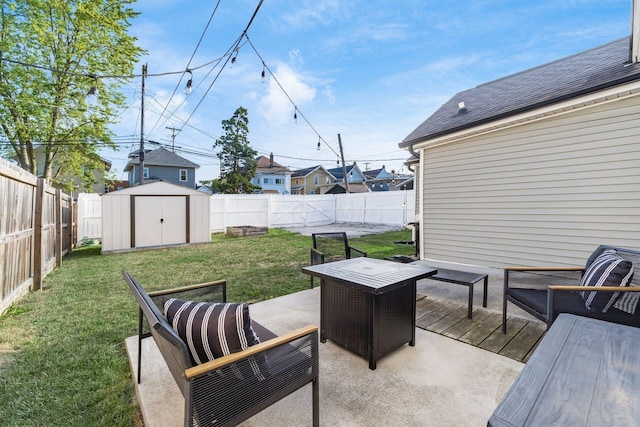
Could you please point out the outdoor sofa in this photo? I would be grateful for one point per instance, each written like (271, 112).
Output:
(231, 388)
(609, 289)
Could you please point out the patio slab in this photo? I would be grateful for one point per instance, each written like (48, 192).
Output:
(439, 382)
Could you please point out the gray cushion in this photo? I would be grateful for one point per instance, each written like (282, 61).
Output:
(608, 269)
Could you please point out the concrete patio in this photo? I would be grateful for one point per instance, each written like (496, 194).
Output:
(439, 382)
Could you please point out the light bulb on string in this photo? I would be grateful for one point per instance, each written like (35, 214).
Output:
(318, 143)
(295, 116)
(92, 96)
(188, 88)
(264, 74)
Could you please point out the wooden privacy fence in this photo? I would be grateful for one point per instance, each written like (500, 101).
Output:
(36, 231)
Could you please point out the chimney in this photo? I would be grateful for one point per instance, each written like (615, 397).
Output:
(271, 160)
(634, 48)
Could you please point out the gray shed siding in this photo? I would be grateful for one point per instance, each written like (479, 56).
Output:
(541, 193)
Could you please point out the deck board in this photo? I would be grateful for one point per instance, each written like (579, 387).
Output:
(484, 330)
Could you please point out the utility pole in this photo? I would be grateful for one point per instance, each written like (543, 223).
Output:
(344, 167)
(141, 171)
(174, 131)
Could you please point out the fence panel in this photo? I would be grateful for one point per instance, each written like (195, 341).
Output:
(281, 211)
(34, 234)
(89, 216)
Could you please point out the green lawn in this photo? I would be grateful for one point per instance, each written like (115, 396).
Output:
(62, 355)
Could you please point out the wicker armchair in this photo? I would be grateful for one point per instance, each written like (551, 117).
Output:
(212, 396)
(546, 302)
(328, 247)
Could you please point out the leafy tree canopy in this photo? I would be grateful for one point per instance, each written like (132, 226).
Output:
(237, 158)
(50, 49)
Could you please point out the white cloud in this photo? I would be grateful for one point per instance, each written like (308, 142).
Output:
(275, 106)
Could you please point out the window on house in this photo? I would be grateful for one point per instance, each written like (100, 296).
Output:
(327, 180)
(183, 175)
(145, 172)
(316, 180)
(279, 181)
(266, 180)
(312, 192)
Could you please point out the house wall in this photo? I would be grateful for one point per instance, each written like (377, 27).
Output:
(166, 173)
(283, 188)
(543, 193)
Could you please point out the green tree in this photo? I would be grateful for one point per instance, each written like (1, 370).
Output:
(237, 159)
(52, 53)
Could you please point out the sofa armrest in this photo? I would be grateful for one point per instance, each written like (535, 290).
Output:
(547, 268)
(254, 350)
(599, 288)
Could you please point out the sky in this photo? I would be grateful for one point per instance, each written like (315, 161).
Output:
(368, 70)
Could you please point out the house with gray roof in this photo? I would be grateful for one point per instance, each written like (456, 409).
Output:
(162, 164)
(539, 167)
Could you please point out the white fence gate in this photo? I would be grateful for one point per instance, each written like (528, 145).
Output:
(280, 211)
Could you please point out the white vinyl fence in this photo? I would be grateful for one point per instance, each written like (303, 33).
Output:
(280, 211)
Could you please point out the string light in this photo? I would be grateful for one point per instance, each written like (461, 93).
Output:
(318, 142)
(188, 88)
(295, 116)
(264, 73)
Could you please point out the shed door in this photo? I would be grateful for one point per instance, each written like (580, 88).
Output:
(160, 220)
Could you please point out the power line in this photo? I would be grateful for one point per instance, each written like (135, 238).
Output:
(188, 64)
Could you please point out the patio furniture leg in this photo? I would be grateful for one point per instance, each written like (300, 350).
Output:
(470, 305)
(504, 301)
(486, 287)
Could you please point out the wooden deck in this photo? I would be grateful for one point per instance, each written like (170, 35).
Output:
(483, 331)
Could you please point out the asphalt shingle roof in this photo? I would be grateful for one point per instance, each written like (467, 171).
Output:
(162, 157)
(590, 71)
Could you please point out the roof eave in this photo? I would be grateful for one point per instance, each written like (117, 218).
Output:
(627, 79)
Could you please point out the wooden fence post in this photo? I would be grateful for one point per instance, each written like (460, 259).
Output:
(37, 235)
(58, 219)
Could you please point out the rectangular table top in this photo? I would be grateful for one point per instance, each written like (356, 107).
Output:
(585, 372)
(369, 274)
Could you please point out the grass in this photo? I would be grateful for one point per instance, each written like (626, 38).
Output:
(62, 354)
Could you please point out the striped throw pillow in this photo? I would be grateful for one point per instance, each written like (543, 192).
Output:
(213, 330)
(608, 269)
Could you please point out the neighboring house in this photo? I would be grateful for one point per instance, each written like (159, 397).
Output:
(339, 188)
(163, 164)
(538, 167)
(379, 179)
(115, 185)
(271, 176)
(98, 187)
(309, 180)
(353, 172)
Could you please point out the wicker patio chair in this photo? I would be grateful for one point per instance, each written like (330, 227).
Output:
(328, 247)
(227, 390)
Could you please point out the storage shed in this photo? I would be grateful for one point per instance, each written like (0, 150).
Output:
(156, 214)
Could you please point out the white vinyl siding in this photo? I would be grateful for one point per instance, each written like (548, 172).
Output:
(546, 192)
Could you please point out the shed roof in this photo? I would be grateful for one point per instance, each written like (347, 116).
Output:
(157, 188)
(577, 75)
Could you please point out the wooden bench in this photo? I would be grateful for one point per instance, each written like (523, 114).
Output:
(584, 372)
(214, 394)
